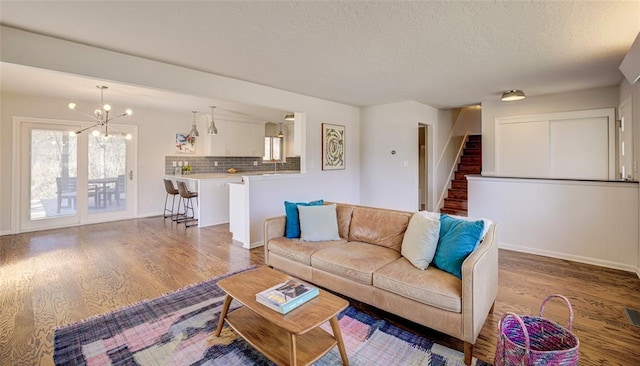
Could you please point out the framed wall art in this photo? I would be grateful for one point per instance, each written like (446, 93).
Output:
(333, 147)
(185, 144)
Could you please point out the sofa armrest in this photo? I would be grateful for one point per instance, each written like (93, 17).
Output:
(273, 228)
(479, 285)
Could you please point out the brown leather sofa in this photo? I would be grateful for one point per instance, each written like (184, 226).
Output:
(366, 265)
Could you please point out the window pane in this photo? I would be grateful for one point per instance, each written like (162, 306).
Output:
(277, 151)
(267, 148)
(53, 174)
(107, 169)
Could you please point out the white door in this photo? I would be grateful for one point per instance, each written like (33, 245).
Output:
(68, 180)
(625, 145)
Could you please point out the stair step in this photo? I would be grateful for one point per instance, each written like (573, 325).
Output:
(459, 184)
(457, 193)
(472, 151)
(461, 176)
(475, 138)
(455, 203)
(471, 160)
(450, 211)
(469, 169)
(473, 145)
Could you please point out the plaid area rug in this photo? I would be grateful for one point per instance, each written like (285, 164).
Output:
(177, 328)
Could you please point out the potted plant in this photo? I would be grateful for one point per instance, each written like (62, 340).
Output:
(186, 169)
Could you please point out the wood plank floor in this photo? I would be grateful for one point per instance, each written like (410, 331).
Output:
(56, 277)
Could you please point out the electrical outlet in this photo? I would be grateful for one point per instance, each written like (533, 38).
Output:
(179, 163)
(255, 163)
(175, 163)
(215, 163)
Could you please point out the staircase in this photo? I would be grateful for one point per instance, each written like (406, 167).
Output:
(470, 163)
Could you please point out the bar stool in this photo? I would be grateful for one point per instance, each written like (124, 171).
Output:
(171, 190)
(186, 196)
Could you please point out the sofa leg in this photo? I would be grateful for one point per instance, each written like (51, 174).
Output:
(492, 307)
(468, 353)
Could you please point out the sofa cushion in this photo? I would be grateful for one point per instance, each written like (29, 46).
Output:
(318, 223)
(344, 219)
(377, 226)
(431, 286)
(420, 239)
(299, 251)
(458, 238)
(292, 227)
(355, 260)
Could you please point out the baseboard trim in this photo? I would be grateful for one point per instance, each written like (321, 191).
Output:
(570, 257)
(5, 232)
(255, 244)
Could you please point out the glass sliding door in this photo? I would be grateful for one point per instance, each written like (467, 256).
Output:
(73, 179)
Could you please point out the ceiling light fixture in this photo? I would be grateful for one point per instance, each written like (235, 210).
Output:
(101, 117)
(194, 130)
(289, 117)
(512, 95)
(212, 130)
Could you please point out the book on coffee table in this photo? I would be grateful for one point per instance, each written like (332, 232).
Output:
(287, 295)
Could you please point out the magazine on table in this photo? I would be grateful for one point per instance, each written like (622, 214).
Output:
(287, 295)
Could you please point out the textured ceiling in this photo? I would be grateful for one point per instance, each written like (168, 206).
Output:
(445, 54)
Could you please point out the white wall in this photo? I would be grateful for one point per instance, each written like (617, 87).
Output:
(564, 102)
(386, 181)
(591, 222)
(45, 52)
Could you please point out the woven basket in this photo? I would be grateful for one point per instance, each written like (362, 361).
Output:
(534, 340)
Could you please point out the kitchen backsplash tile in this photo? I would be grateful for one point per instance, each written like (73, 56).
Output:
(206, 164)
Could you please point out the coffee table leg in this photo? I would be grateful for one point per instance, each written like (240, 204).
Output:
(293, 357)
(223, 314)
(338, 336)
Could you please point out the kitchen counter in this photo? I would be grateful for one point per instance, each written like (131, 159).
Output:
(210, 176)
(213, 206)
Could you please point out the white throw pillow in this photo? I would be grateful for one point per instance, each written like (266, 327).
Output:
(421, 239)
(318, 223)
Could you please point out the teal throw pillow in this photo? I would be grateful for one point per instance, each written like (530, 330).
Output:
(292, 227)
(458, 238)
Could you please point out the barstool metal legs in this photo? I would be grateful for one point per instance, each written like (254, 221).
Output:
(171, 212)
(186, 197)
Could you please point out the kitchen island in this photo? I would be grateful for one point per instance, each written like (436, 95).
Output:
(212, 207)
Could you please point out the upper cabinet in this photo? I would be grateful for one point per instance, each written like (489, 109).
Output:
(234, 139)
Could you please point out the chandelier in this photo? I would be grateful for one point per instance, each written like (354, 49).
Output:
(101, 118)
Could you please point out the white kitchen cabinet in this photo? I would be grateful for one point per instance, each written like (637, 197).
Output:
(234, 139)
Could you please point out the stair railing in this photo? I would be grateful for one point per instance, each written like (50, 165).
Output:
(454, 165)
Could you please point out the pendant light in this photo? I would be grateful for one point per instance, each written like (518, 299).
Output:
(280, 134)
(212, 130)
(194, 130)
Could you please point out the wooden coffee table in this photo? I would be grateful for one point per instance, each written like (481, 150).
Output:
(294, 338)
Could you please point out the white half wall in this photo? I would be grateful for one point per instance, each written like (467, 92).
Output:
(584, 221)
